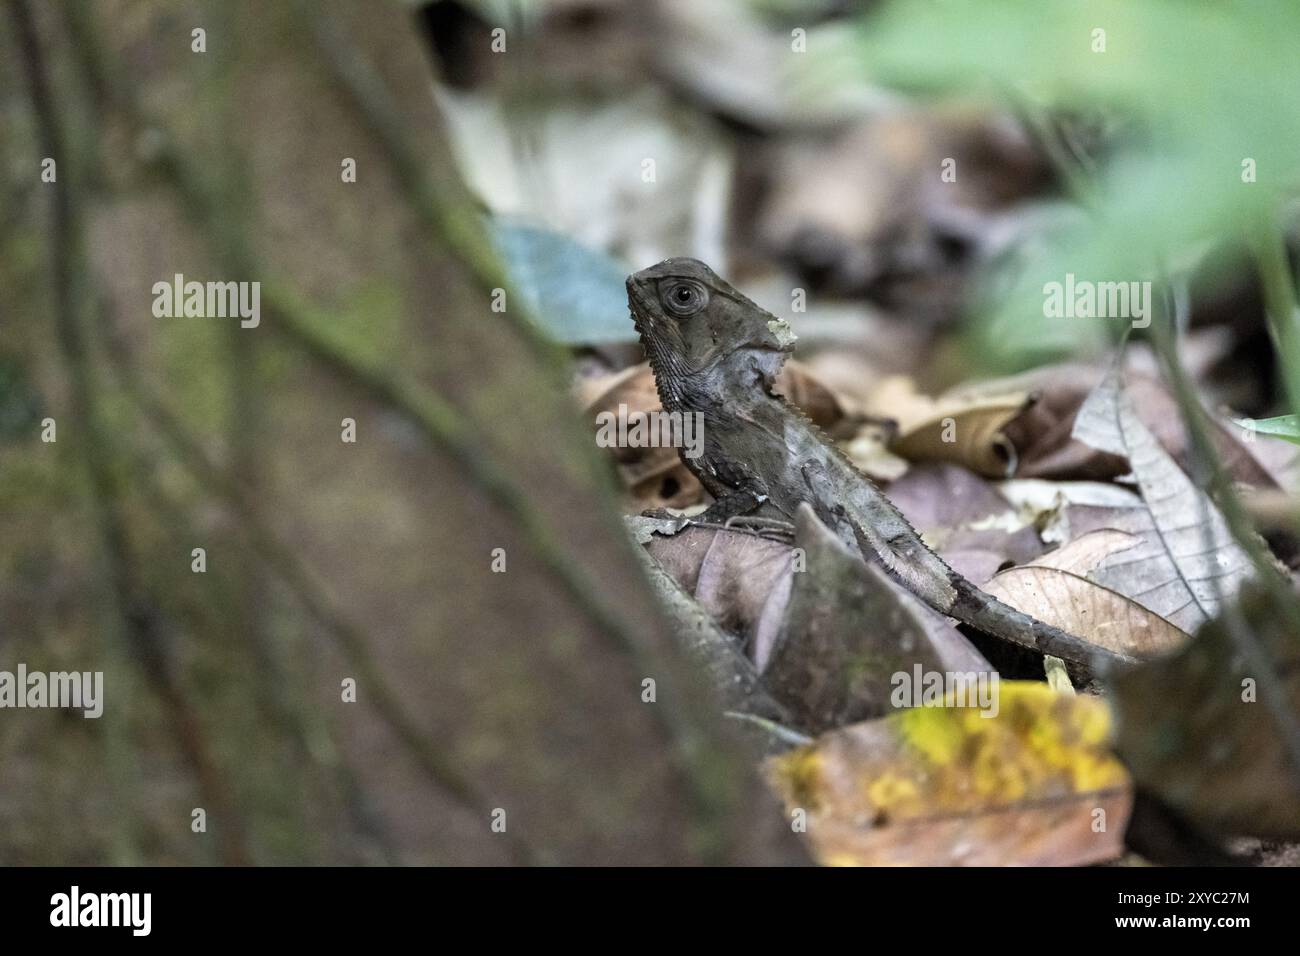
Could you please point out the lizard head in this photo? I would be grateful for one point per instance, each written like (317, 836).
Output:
(693, 323)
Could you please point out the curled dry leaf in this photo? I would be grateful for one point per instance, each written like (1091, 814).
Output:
(1034, 785)
(959, 429)
(1047, 447)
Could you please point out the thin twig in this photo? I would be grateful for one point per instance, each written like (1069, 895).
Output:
(1273, 689)
(1281, 311)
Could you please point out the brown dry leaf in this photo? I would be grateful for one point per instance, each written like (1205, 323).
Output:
(848, 628)
(1200, 729)
(1087, 551)
(1188, 562)
(1093, 613)
(716, 653)
(596, 393)
(803, 389)
(1034, 785)
(1053, 588)
(742, 580)
(957, 511)
(745, 584)
(654, 477)
(1047, 448)
(680, 554)
(964, 430)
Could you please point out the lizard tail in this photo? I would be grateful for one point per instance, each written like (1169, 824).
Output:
(986, 613)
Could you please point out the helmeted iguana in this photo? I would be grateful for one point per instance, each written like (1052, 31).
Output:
(715, 352)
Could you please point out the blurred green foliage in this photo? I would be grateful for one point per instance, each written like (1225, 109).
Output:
(1206, 92)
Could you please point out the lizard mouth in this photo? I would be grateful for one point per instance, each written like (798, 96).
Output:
(636, 324)
(641, 320)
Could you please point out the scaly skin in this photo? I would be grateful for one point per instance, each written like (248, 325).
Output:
(715, 352)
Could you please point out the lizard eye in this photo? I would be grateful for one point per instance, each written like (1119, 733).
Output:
(683, 297)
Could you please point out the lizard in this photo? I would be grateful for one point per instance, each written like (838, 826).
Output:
(715, 352)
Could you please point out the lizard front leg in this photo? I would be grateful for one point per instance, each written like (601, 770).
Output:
(736, 512)
(732, 512)
(733, 505)
(723, 509)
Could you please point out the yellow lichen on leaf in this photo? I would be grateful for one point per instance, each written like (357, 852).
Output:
(800, 774)
(1039, 743)
(1040, 749)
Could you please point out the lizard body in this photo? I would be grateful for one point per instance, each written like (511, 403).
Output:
(715, 352)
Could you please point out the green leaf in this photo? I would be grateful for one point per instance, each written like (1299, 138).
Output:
(577, 294)
(1284, 426)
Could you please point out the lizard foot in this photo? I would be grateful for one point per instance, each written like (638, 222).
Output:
(765, 527)
(772, 528)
